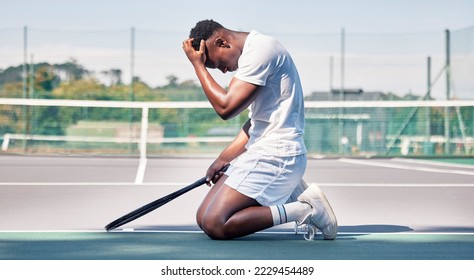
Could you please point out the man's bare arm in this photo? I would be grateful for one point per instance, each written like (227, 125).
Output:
(227, 103)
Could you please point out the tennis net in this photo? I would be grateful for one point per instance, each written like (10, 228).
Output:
(333, 128)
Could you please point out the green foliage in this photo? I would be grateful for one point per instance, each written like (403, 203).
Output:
(72, 81)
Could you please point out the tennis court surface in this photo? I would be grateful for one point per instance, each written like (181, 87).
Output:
(55, 208)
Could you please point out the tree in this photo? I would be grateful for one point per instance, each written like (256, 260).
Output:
(71, 70)
(172, 81)
(46, 78)
(88, 88)
(114, 76)
(11, 75)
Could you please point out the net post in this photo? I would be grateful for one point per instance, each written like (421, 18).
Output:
(131, 91)
(6, 142)
(144, 133)
(25, 83)
(428, 149)
(341, 92)
(142, 146)
(447, 149)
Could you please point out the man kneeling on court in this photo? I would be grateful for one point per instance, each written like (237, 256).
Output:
(263, 187)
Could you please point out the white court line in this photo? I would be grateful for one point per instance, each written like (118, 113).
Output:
(180, 184)
(112, 184)
(399, 185)
(118, 231)
(435, 163)
(406, 167)
(141, 171)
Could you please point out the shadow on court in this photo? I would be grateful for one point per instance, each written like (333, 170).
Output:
(286, 229)
(261, 246)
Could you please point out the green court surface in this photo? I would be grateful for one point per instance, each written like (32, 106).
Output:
(260, 246)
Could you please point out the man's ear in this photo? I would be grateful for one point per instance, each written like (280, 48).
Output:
(221, 43)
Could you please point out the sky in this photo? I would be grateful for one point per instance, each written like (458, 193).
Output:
(365, 16)
(300, 19)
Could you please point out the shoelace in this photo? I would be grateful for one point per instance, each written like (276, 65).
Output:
(305, 226)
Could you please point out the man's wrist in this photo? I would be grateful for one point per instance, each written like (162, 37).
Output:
(199, 67)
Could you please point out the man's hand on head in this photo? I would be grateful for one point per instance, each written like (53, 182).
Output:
(195, 57)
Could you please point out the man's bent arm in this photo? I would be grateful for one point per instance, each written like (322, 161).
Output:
(230, 103)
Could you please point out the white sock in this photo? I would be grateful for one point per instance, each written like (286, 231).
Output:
(290, 212)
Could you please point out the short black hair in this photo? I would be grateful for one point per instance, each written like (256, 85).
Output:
(203, 31)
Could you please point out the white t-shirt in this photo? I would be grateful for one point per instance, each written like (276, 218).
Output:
(277, 114)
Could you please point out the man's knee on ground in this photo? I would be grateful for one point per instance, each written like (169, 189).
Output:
(214, 227)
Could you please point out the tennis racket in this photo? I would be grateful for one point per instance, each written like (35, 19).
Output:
(157, 203)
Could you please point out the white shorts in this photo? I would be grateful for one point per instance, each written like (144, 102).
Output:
(269, 180)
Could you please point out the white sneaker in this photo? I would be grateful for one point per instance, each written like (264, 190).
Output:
(322, 217)
(302, 186)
